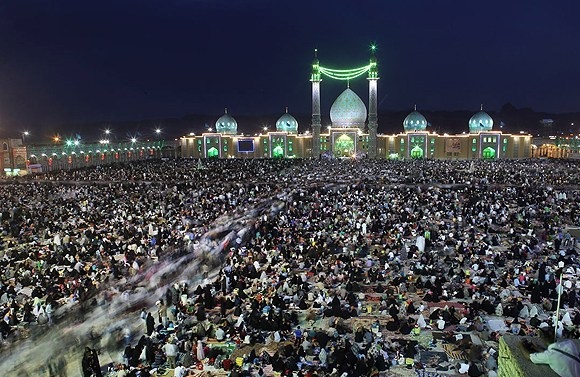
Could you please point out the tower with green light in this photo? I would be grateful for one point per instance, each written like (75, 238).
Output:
(348, 113)
(373, 124)
(316, 121)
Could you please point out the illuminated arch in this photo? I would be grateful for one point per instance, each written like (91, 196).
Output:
(344, 146)
(488, 153)
(278, 152)
(213, 153)
(417, 152)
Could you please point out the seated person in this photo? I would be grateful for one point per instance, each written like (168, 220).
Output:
(563, 357)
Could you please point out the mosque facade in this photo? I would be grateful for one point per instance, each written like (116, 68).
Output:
(353, 132)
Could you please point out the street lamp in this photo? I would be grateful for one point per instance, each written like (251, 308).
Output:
(157, 131)
(25, 134)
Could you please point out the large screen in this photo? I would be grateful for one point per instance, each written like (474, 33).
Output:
(246, 145)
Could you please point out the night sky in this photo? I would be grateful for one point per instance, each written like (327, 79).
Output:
(73, 61)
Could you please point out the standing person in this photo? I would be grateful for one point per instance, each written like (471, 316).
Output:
(200, 352)
(87, 363)
(297, 336)
(96, 364)
(162, 313)
(150, 324)
(171, 350)
(48, 310)
(143, 314)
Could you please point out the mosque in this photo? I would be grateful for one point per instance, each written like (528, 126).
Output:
(353, 131)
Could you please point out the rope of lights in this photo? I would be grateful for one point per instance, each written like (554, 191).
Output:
(346, 71)
(344, 77)
(344, 74)
(349, 74)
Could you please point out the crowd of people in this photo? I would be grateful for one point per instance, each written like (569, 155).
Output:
(344, 267)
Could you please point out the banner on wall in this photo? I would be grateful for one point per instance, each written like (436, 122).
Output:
(453, 146)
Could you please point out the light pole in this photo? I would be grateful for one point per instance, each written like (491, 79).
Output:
(157, 152)
(25, 134)
(133, 149)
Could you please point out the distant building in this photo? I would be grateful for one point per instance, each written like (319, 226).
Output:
(74, 155)
(12, 157)
(353, 132)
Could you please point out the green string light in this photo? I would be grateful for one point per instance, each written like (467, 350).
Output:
(344, 74)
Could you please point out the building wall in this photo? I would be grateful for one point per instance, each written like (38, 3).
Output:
(12, 156)
(462, 146)
(552, 151)
(264, 146)
(62, 156)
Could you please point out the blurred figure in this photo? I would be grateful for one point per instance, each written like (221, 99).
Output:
(90, 363)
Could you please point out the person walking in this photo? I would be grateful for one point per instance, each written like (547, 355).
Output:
(171, 351)
(48, 311)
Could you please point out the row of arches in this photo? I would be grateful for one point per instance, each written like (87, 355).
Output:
(277, 152)
(56, 160)
(551, 151)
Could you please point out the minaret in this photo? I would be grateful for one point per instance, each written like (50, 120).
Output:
(316, 125)
(373, 118)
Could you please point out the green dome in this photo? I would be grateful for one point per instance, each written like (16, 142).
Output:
(226, 124)
(348, 110)
(415, 122)
(480, 122)
(287, 123)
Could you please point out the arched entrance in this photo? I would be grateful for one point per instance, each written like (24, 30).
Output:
(213, 153)
(344, 146)
(278, 152)
(417, 152)
(488, 153)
